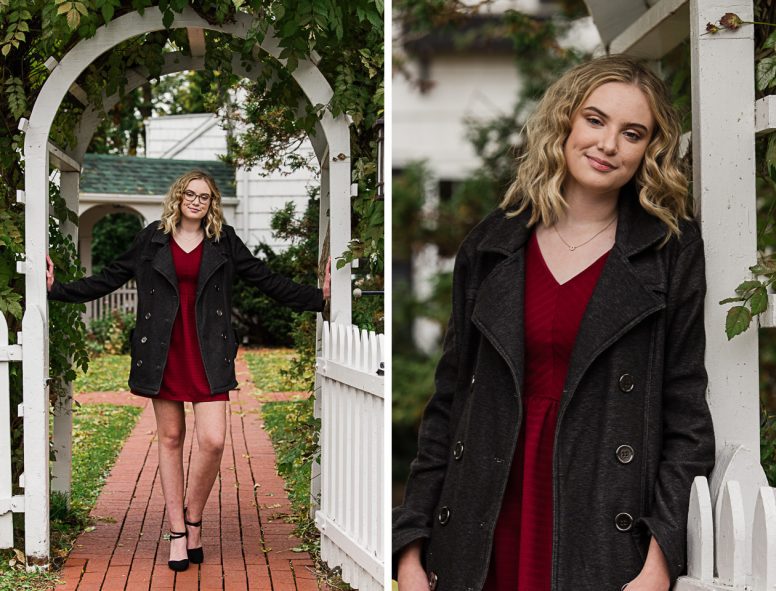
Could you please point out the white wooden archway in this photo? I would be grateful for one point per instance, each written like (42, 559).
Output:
(332, 147)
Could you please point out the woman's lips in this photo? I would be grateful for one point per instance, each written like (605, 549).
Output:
(601, 165)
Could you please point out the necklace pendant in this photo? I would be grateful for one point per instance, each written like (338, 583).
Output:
(572, 248)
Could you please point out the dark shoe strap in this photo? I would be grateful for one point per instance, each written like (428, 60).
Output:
(191, 523)
(175, 535)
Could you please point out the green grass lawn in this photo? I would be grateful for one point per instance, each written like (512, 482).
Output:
(266, 367)
(99, 430)
(107, 373)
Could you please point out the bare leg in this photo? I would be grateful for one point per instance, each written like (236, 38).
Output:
(210, 420)
(171, 432)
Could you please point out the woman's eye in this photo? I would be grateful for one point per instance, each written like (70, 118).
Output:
(633, 136)
(594, 120)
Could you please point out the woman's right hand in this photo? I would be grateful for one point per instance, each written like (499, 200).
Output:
(411, 576)
(49, 273)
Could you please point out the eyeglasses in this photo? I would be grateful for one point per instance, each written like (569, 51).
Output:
(190, 196)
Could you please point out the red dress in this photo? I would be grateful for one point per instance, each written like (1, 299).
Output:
(522, 541)
(184, 378)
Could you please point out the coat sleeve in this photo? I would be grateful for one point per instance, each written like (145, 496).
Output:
(289, 293)
(412, 520)
(113, 276)
(687, 430)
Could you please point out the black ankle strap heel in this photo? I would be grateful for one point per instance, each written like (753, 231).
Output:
(196, 555)
(178, 565)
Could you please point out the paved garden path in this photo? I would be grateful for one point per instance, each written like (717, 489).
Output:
(247, 543)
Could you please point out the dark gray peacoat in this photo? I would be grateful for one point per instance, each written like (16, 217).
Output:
(149, 261)
(633, 429)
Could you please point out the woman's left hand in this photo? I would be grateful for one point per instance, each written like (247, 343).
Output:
(327, 281)
(654, 576)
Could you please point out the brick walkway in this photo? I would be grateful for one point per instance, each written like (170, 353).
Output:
(247, 543)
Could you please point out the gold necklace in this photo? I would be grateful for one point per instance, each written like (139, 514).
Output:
(572, 248)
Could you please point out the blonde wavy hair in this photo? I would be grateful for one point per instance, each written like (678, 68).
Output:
(660, 181)
(171, 207)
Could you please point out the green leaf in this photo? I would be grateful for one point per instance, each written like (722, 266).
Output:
(770, 42)
(759, 300)
(731, 300)
(107, 12)
(738, 320)
(747, 286)
(766, 72)
(73, 19)
(167, 18)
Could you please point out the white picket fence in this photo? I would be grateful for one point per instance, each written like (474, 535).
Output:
(352, 403)
(731, 527)
(123, 299)
(32, 327)
(8, 354)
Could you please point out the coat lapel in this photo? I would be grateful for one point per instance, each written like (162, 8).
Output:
(621, 298)
(498, 309)
(162, 260)
(213, 257)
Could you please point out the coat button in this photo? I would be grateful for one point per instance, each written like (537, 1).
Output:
(625, 454)
(147, 315)
(139, 362)
(623, 522)
(152, 291)
(626, 382)
(219, 312)
(218, 287)
(144, 339)
(432, 581)
(444, 515)
(458, 450)
(223, 334)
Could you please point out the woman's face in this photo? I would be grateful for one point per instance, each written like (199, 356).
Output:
(609, 135)
(196, 200)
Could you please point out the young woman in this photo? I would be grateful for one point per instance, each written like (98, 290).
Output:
(183, 346)
(570, 417)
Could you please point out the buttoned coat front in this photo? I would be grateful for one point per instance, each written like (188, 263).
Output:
(149, 261)
(633, 429)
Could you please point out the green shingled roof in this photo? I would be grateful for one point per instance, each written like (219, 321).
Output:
(106, 173)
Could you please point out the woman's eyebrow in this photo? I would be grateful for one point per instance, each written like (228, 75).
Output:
(605, 116)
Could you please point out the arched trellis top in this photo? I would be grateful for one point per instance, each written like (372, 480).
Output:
(312, 82)
(174, 62)
(332, 147)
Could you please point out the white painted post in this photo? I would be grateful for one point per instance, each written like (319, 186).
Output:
(36, 432)
(724, 173)
(63, 408)
(321, 328)
(6, 515)
(339, 216)
(35, 361)
(724, 185)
